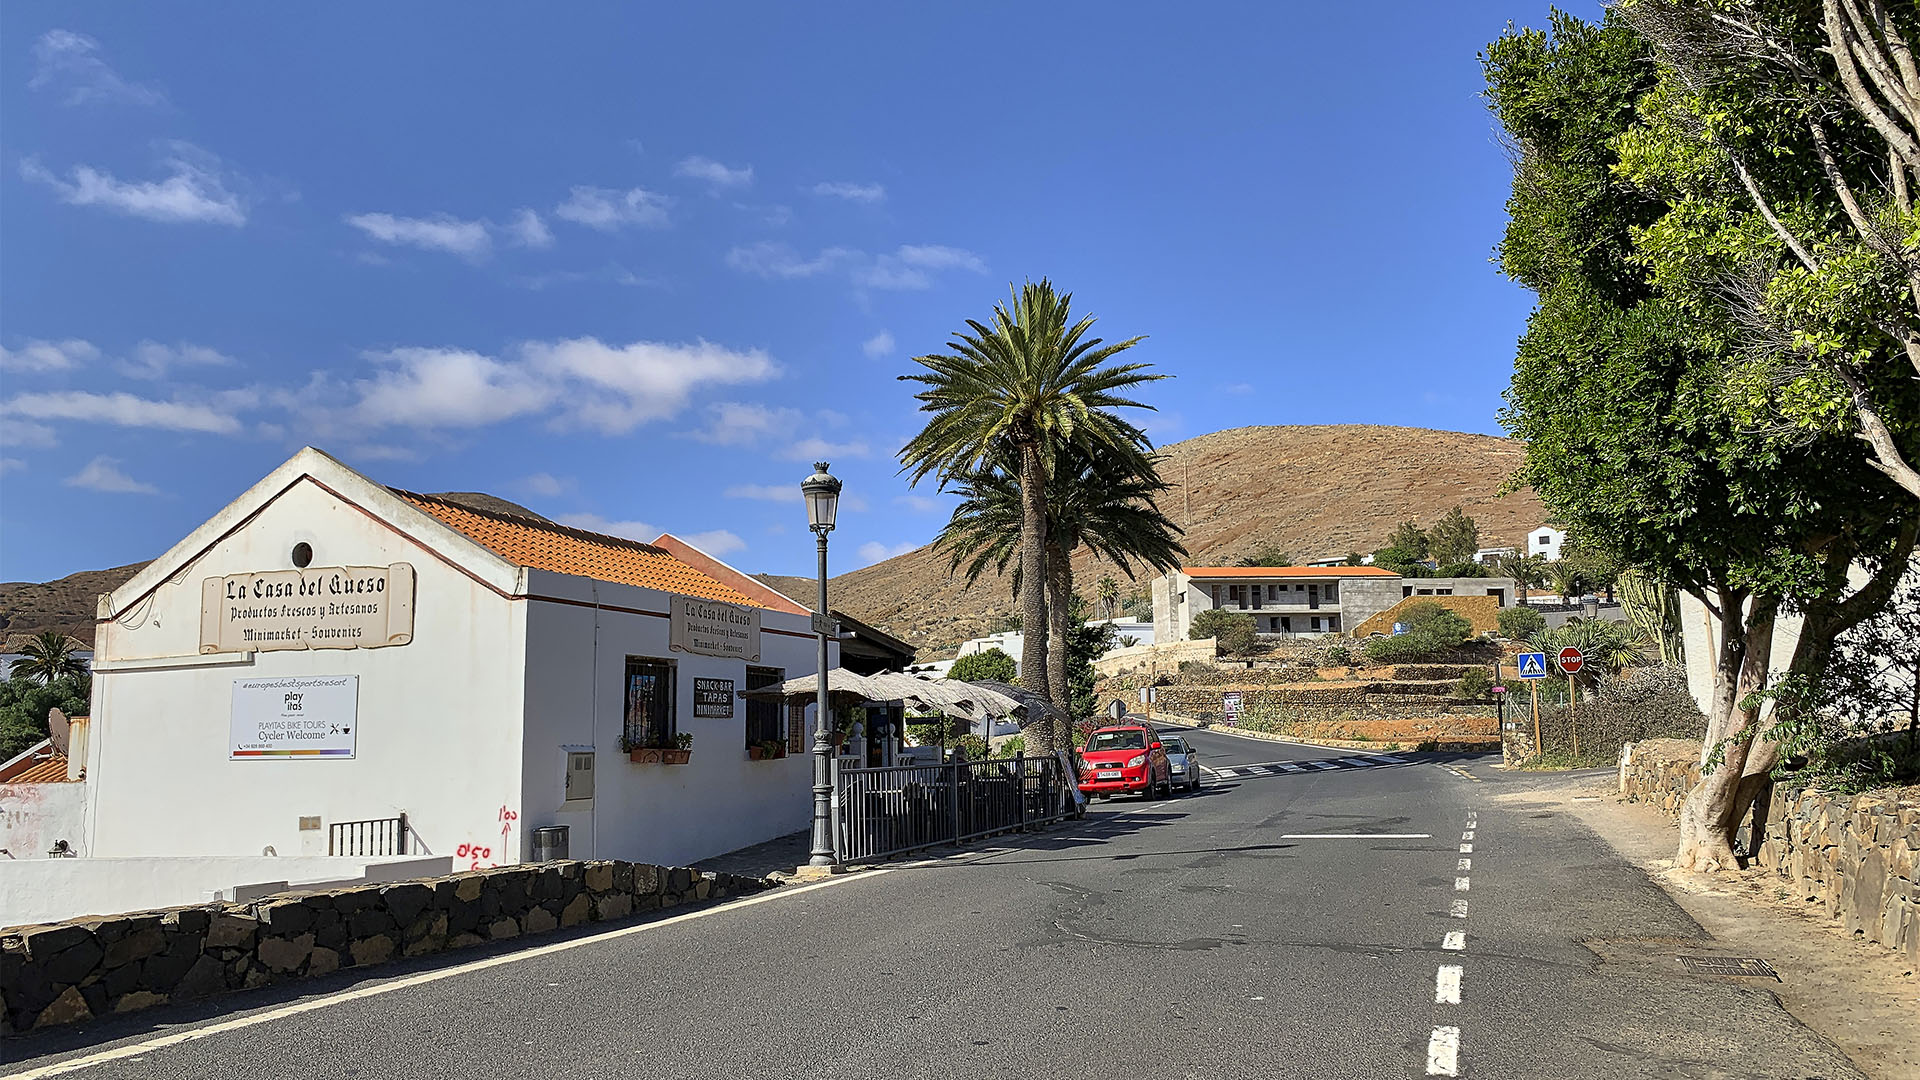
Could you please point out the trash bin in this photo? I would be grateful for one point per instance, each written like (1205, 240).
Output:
(549, 843)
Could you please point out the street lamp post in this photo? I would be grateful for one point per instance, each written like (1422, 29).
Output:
(822, 494)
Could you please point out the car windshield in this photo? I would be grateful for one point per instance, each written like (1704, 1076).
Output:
(1127, 739)
(1174, 746)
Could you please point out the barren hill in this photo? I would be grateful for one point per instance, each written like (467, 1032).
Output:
(1316, 491)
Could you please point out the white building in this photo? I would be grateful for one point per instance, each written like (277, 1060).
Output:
(326, 651)
(1298, 601)
(1545, 541)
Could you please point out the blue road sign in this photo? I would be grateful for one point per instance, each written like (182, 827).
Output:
(1533, 665)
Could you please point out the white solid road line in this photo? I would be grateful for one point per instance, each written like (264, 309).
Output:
(1446, 985)
(1355, 835)
(1456, 940)
(1459, 884)
(1459, 909)
(120, 1053)
(1443, 1052)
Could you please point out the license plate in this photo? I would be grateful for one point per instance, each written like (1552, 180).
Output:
(1108, 774)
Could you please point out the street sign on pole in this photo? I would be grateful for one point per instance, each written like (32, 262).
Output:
(1571, 660)
(1532, 665)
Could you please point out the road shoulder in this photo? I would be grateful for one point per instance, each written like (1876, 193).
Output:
(1854, 992)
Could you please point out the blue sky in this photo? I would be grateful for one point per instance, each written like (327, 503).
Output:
(638, 267)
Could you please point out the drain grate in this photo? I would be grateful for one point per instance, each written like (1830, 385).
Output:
(1744, 966)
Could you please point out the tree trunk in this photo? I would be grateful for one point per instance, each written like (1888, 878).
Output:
(1711, 815)
(1059, 632)
(1033, 588)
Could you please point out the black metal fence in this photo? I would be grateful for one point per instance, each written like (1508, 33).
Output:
(902, 808)
(375, 836)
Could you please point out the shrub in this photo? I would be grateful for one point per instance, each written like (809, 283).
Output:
(1521, 623)
(1441, 623)
(1233, 631)
(23, 708)
(970, 747)
(1403, 649)
(1014, 745)
(1475, 685)
(992, 665)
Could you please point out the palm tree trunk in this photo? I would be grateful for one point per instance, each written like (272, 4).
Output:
(1033, 587)
(1060, 638)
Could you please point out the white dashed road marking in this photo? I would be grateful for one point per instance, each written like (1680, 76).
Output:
(1466, 849)
(1465, 864)
(1459, 909)
(1317, 764)
(1455, 941)
(1287, 765)
(1443, 1052)
(1468, 835)
(1446, 985)
(1459, 884)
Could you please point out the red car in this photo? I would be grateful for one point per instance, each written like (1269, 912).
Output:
(1125, 758)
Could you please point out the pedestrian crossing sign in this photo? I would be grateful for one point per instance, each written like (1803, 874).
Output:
(1533, 665)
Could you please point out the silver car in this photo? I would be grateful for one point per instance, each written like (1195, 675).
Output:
(1184, 761)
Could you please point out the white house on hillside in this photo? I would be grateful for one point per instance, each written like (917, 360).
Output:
(1545, 541)
(327, 651)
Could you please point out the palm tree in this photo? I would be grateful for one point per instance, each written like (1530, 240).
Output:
(1023, 387)
(1566, 580)
(48, 656)
(1527, 571)
(1093, 502)
(1108, 592)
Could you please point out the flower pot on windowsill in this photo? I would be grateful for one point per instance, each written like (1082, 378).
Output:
(761, 753)
(651, 755)
(676, 757)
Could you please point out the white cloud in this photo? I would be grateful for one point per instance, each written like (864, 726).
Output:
(25, 433)
(715, 542)
(527, 230)
(11, 464)
(874, 551)
(714, 173)
(69, 64)
(842, 189)
(908, 267)
(431, 388)
(632, 530)
(609, 210)
(770, 259)
(38, 355)
(152, 360)
(822, 450)
(739, 423)
(103, 474)
(913, 266)
(125, 410)
(544, 484)
(768, 492)
(195, 192)
(441, 232)
(919, 503)
(880, 344)
(647, 380)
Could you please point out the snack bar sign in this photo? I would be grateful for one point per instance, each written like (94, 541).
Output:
(338, 607)
(293, 717)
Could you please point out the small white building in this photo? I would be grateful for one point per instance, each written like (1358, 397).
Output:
(327, 651)
(1545, 541)
(1298, 601)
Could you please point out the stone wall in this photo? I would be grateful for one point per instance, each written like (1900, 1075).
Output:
(1161, 656)
(73, 971)
(1855, 855)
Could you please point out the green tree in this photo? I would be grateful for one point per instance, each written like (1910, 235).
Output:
(1527, 571)
(24, 702)
(1521, 623)
(1108, 591)
(1409, 538)
(1564, 576)
(1233, 632)
(1020, 388)
(47, 656)
(1085, 644)
(1454, 538)
(1401, 560)
(1619, 394)
(987, 665)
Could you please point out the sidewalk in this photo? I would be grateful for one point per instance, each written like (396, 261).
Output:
(1862, 996)
(777, 858)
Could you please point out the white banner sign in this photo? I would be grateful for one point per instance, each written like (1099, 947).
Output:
(296, 716)
(336, 607)
(711, 628)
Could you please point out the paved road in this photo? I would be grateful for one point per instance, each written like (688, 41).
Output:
(1241, 932)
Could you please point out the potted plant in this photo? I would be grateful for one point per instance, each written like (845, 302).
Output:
(767, 751)
(640, 753)
(682, 751)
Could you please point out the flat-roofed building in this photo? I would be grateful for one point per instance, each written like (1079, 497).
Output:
(1297, 601)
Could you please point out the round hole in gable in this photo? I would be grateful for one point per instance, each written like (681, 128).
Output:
(302, 554)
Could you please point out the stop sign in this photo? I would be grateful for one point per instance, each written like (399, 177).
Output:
(1570, 659)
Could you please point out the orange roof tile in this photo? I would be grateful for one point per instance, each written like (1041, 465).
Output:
(544, 545)
(48, 769)
(1286, 571)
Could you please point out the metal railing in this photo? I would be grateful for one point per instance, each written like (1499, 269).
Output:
(890, 811)
(375, 836)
